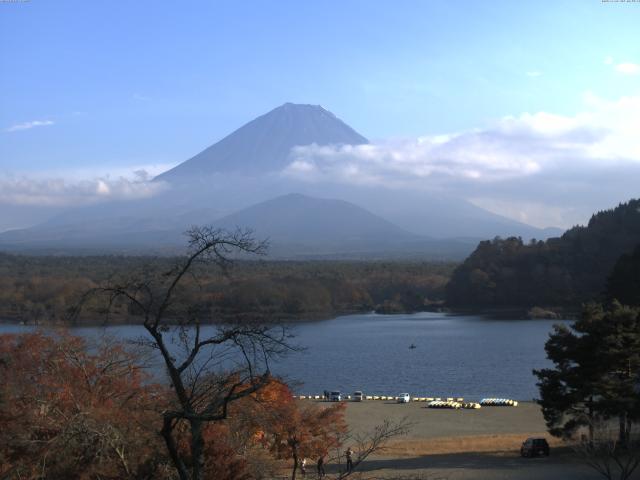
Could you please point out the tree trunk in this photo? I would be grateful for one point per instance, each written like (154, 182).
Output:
(197, 449)
(166, 432)
(591, 432)
(625, 428)
(295, 465)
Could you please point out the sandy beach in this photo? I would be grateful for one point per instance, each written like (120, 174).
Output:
(463, 444)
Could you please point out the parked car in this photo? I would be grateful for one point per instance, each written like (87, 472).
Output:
(335, 396)
(404, 398)
(358, 396)
(533, 447)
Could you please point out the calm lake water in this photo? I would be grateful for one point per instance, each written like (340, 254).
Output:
(467, 356)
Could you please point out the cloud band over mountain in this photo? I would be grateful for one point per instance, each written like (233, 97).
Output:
(543, 169)
(532, 167)
(60, 191)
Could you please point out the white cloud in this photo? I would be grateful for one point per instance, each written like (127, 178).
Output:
(535, 160)
(608, 60)
(29, 125)
(135, 171)
(64, 190)
(533, 213)
(628, 68)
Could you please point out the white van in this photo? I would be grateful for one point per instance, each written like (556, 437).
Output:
(358, 396)
(404, 398)
(335, 396)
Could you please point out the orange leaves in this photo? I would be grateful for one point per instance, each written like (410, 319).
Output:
(221, 461)
(275, 392)
(286, 428)
(301, 430)
(86, 411)
(69, 410)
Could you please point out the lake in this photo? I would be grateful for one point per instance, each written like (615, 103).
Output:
(466, 356)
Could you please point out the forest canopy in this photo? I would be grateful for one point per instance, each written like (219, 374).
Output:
(565, 271)
(44, 289)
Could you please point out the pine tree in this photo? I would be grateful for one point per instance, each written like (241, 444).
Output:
(597, 363)
(624, 282)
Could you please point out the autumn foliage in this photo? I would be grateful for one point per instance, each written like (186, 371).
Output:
(294, 431)
(42, 289)
(71, 412)
(77, 411)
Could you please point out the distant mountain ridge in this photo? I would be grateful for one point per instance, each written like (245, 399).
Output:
(264, 144)
(299, 226)
(296, 227)
(296, 218)
(242, 174)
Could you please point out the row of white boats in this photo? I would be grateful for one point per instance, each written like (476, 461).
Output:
(432, 402)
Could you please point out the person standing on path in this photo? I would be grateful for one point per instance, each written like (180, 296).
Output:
(349, 454)
(321, 472)
(303, 467)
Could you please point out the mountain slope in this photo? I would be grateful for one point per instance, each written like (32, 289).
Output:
(296, 226)
(437, 215)
(301, 226)
(296, 218)
(561, 271)
(244, 169)
(264, 144)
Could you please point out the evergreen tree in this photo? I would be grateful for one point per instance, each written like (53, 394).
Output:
(597, 363)
(624, 282)
(560, 272)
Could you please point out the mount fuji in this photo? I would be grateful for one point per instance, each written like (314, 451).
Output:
(239, 181)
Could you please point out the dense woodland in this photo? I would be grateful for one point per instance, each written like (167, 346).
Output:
(565, 271)
(44, 289)
(501, 273)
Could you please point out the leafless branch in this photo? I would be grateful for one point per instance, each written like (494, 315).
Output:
(201, 377)
(366, 445)
(607, 456)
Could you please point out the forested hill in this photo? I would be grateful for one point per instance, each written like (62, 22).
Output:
(563, 271)
(44, 289)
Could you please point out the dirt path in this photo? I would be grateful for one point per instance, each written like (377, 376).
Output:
(463, 444)
(479, 466)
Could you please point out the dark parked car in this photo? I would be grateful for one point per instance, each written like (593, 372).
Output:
(533, 447)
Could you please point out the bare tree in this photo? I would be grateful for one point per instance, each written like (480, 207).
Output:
(366, 444)
(607, 455)
(209, 366)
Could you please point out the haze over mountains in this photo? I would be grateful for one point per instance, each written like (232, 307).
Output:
(241, 181)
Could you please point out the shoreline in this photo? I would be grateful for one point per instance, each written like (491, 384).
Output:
(506, 313)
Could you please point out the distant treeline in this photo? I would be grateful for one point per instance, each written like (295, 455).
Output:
(45, 289)
(561, 272)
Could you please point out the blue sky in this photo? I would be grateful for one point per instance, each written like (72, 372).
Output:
(99, 86)
(145, 82)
